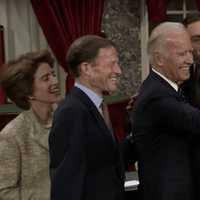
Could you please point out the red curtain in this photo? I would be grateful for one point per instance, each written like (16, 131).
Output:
(157, 10)
(198, 4)
(63, 21)
(2, 59)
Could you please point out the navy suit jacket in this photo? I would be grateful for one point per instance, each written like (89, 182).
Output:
(163, 124)
(84, 159)
(191, 89)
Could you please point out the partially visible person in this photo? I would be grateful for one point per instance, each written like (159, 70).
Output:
(163, 121)
(128, 143)
(30, 83)
(131, 102)
(191, 89)
(85, 160)
(129, 109)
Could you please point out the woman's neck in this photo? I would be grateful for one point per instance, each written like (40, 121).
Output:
(43, 113)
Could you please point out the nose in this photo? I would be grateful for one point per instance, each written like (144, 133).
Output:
(117, 69)
(54, 79)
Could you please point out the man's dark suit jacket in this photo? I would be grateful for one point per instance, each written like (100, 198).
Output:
(163, 124)
(191, 89)
(85, 161)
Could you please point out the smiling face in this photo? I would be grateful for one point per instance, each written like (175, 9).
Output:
(194, 32)
(177, 59)
(45, 85)
(104, 72)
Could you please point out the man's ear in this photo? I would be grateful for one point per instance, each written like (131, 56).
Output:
(85, 68)
(158, 58)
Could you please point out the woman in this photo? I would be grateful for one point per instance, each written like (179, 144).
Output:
(30, 83)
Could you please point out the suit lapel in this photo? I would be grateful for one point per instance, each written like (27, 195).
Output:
(155, 77)
(81, 96)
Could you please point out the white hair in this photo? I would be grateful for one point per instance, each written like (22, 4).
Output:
(160, 35)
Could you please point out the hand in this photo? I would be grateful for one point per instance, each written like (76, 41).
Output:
(130, 104)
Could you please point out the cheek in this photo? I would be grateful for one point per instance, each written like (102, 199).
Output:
(41, 90)
(99, 80)
(196, 46)
(177, 62)
(98, 75)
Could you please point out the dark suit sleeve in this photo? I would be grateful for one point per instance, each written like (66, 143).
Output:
(128, 150)
(179, 115)
(67, 154)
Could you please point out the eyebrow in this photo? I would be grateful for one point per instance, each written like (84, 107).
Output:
(48, 73)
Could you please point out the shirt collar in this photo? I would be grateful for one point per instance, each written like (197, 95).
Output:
(95, 98)
(174, 85)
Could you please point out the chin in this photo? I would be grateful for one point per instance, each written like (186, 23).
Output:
(56, 99)
(185, 75)
(112, 91)
(185, 78)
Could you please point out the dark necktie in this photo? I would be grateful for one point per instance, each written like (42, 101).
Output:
(181, 94)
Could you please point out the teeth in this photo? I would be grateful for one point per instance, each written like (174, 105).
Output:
(55, 90)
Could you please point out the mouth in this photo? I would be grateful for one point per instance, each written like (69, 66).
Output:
(54, 90)
(115, 79)
(185, 68)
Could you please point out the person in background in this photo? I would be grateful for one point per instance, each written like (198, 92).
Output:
(191, 89)
(128, 149)
(30, 83)
(163, 121)
(85, 161)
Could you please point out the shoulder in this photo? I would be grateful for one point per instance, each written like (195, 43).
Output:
(156, 89)
(70, 108)
(157, 86)
(75, 101)
(18, 125)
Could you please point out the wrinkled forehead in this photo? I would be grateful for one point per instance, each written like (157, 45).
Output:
(179, 38)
